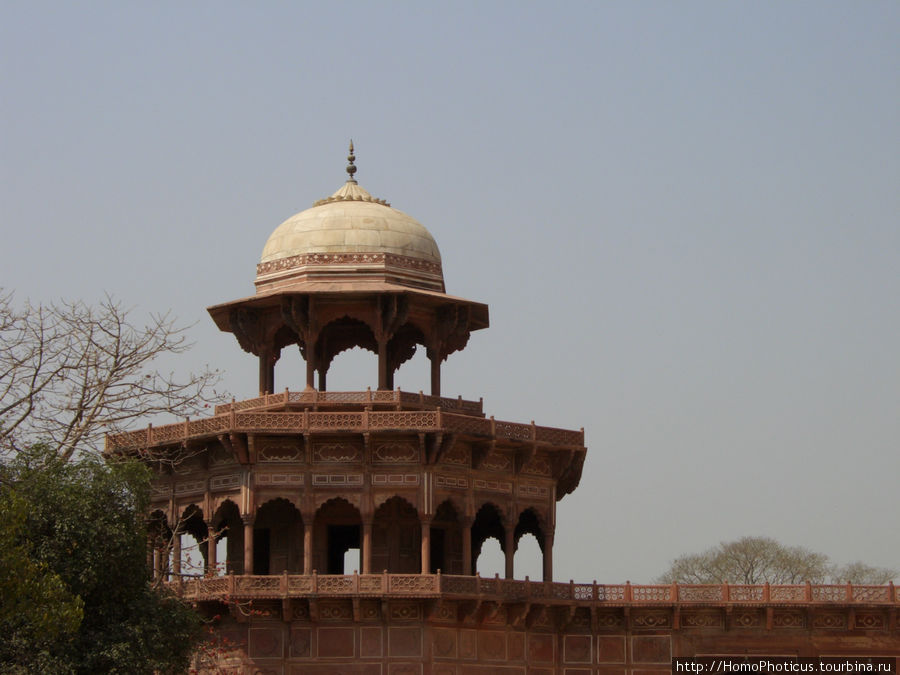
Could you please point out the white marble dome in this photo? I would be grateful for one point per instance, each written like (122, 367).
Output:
(351, 221)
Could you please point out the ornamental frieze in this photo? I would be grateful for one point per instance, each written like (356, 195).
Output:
(504, 487)
(496, 462)
(276, 450)
(829, 620)
(337, 452)
(458, 456)
(337, 480)
(529, 491)
(190, 486)
(453, 482)
(750, 619)
(537, 466)
(395, 452)
(869, 620)
(280, 479)
(788, 620)
(395, 479)
(701, 620)
(658, 619)
(225, 481)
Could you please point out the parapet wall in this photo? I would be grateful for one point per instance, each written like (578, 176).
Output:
(392, 624)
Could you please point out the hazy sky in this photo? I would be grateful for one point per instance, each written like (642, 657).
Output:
(684, 217)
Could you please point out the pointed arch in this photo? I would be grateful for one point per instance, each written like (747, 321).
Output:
(336, 529)
(278, 538)
(227, 525)
(489, 523)
(396, 537)
(447, 539)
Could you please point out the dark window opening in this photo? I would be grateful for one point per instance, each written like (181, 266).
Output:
(341, 538)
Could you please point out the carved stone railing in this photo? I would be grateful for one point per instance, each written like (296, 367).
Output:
(307, 421)
(506, 590)
(396, 397)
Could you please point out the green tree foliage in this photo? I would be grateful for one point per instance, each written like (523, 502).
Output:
(757, 560)
(37, 611)
(79, 527)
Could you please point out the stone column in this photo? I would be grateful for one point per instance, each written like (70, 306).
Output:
(248, 543)
(150, 561)
(211, 562)
(176, 556)
(548, 556)
(426, 546)
(467, 546)
(308, 544)
(367, 547)
(435, 373)
(510, 551)
(384, 379)
(266, 372)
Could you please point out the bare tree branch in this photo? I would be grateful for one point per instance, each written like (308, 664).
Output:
(72, 372)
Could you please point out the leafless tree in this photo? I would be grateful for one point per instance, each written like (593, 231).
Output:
(71, 372)
(756, 560)
(863, 574)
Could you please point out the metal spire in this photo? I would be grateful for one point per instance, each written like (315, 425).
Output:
(351, 167)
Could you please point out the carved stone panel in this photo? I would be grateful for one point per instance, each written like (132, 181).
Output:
(395, 452)
(332, 452)
(279, 449)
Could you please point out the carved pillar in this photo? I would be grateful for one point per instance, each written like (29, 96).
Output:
(310, 369)
(248, 544)
(307, 544)
(211, 562)
(322, 371)
(266, 372)
(161, 561)
(435, 372)
(467, 546)
(426, 546)
(384, 375)
(367, 546)
(151, 547)
(510, 550)
(176, 556)
(548, 556)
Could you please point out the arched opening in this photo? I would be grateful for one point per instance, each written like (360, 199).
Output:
(341, 335)
(488, 524)
(409, 363)
(192, 542)
(529, 539)
(351, 371)
(446, 540)
(230, 537)
(491, 559)
(336, 530)
(278, 538)
(397, 538)
(528, 560)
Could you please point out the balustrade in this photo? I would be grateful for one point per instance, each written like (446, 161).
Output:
(507, 590)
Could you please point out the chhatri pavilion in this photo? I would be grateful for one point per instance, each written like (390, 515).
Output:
(292, 480)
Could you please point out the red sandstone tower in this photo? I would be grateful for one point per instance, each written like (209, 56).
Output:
(417, 482)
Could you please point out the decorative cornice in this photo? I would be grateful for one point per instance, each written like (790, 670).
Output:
(330, 259)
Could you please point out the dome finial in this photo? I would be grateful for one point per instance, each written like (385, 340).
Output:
(351, 167)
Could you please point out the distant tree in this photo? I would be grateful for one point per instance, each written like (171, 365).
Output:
(71, 372)
(757, 560)
(863, 574)
(81, 538)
